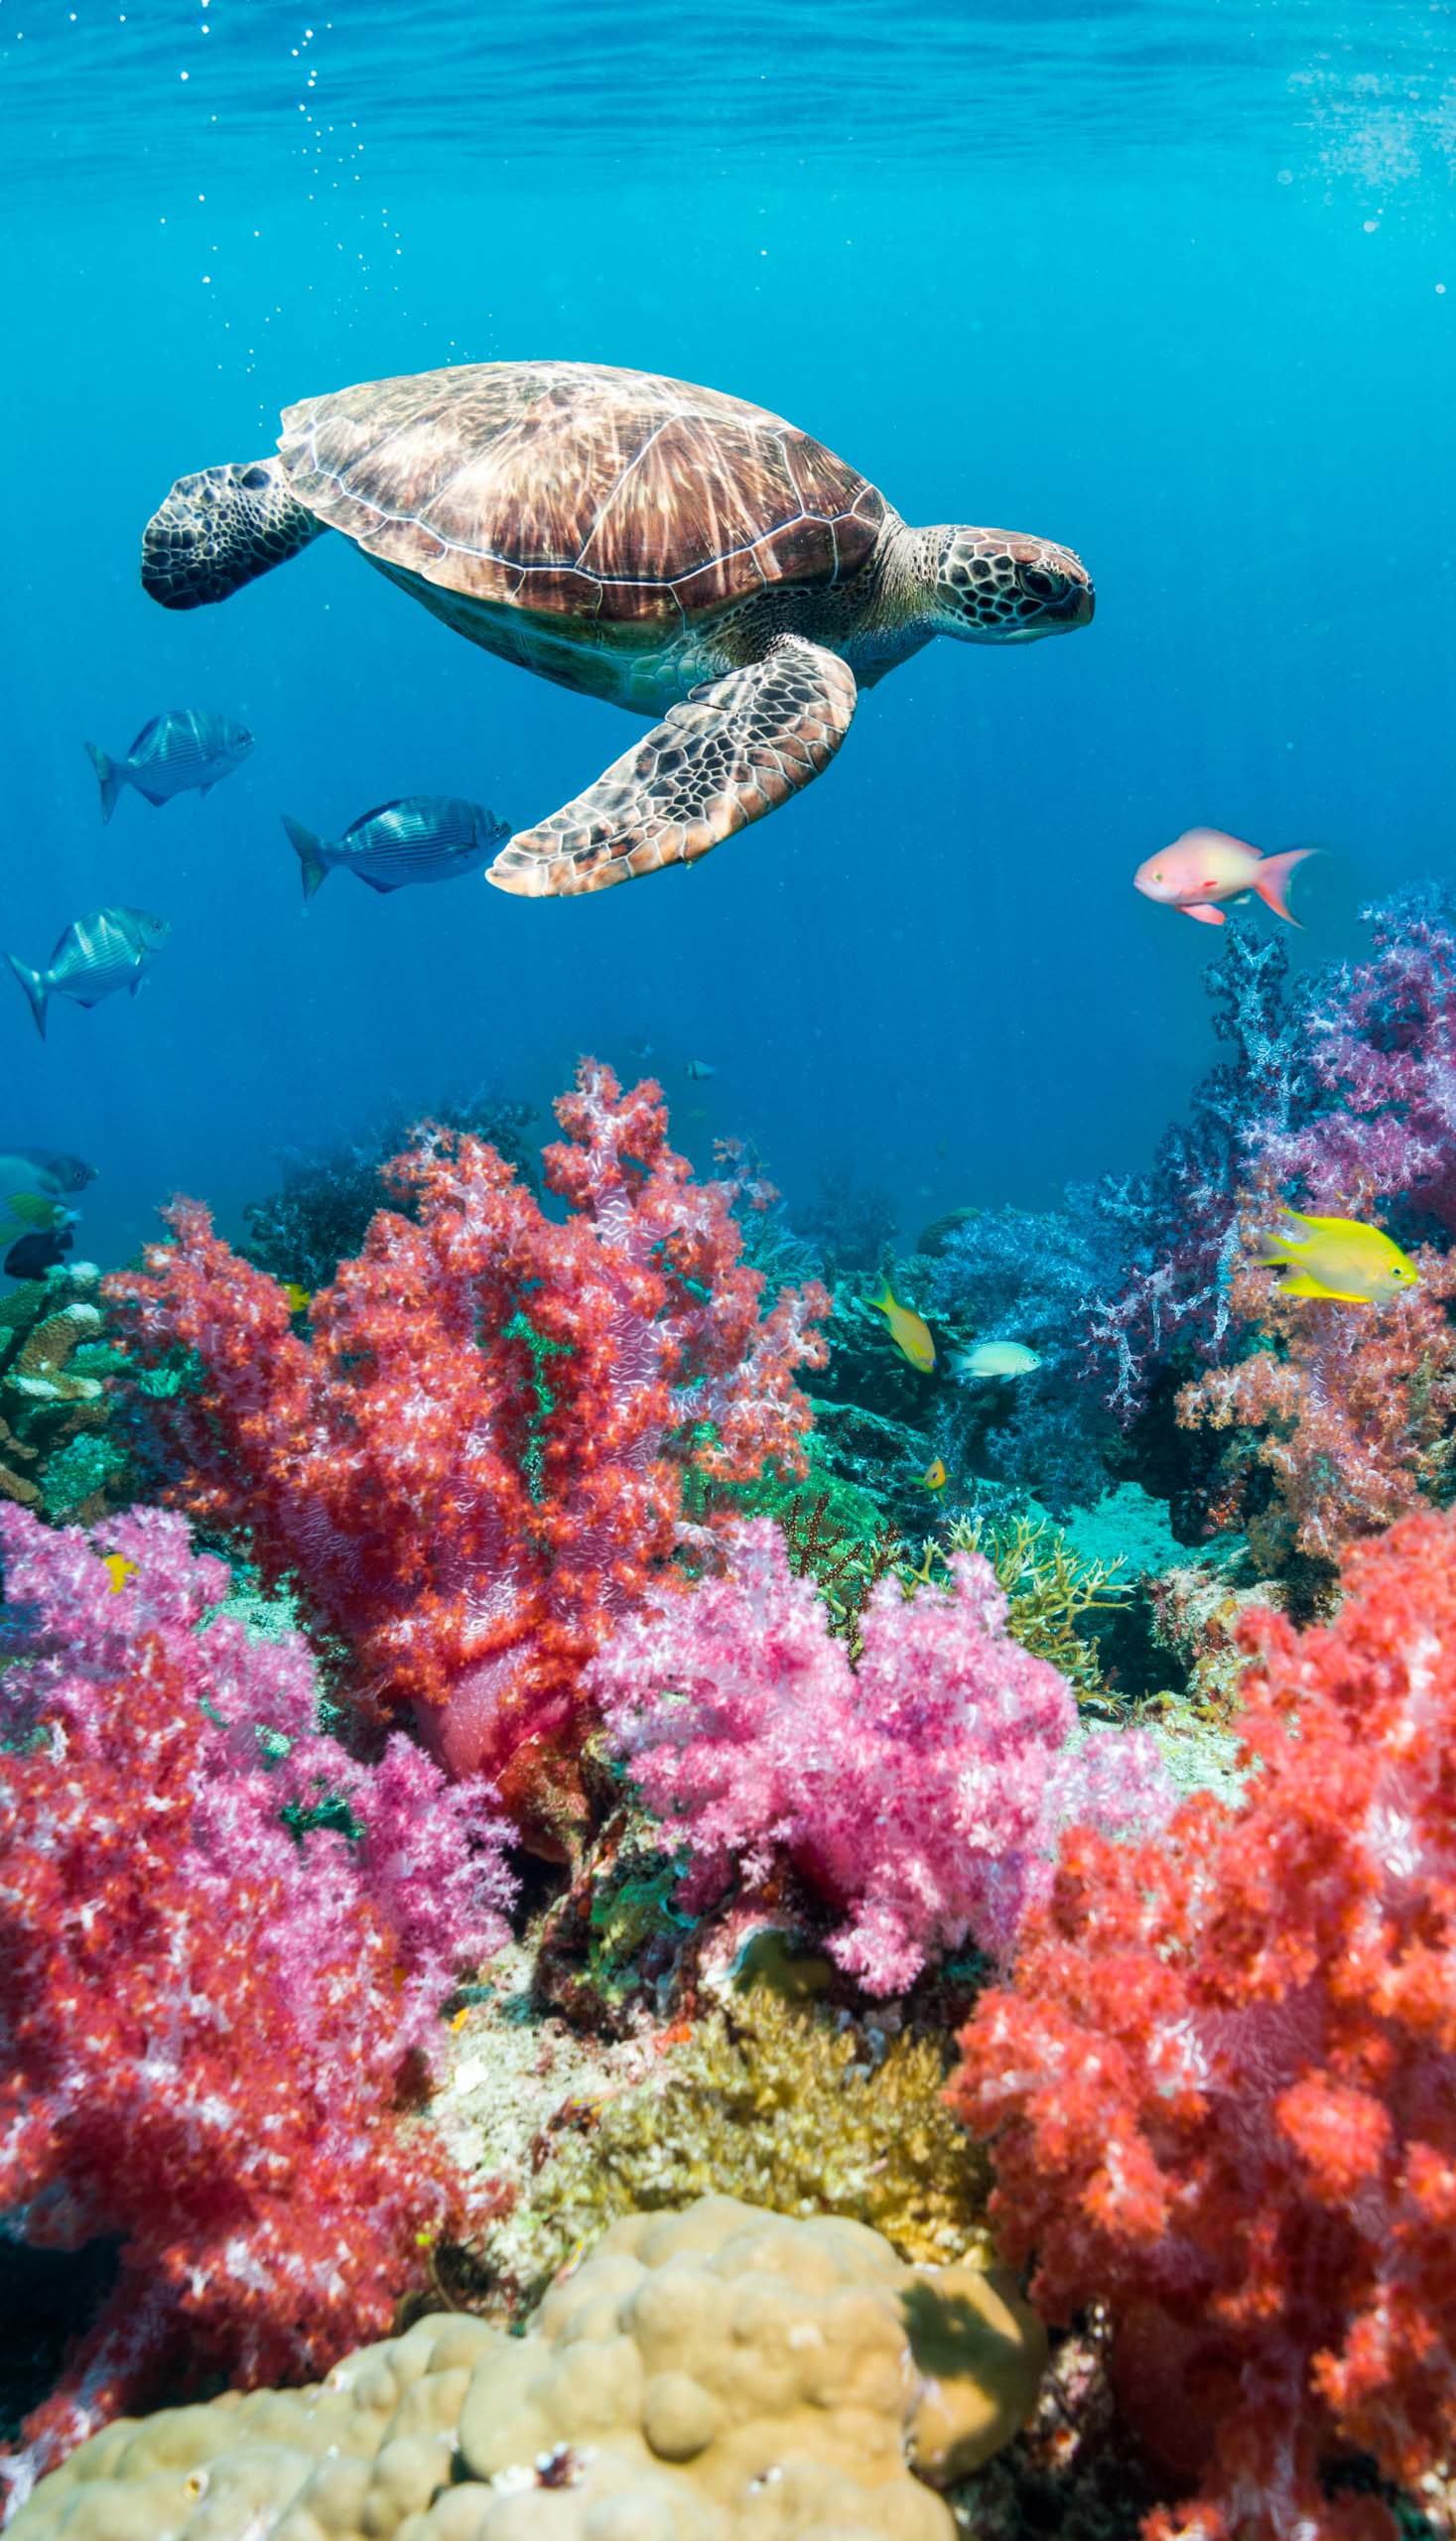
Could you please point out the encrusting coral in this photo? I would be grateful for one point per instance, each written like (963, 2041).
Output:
(716, 2376)
(500, 1428)
(915, 1796)
(56, 1454)
(1219, 2087)
(777, 2103)
(225, 1947)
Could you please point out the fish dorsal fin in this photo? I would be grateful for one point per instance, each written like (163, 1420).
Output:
(377, 814)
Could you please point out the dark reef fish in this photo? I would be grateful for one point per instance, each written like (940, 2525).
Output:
(96, 956)
(423, 838)
(34, 1255)
(178, 753)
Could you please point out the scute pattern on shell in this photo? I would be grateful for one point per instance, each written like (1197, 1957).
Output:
(577, 491)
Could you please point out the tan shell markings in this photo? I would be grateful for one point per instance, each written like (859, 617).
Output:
(577, 492)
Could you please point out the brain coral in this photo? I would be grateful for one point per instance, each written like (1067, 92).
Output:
(720, 2374)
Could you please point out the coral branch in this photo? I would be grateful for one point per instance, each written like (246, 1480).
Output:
(213, 1996)
(1221, 2087)
(484, 1451)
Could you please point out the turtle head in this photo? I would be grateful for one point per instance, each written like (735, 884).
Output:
(995, 586)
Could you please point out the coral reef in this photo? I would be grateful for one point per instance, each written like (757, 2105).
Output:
(1012, 1274)
(1342, 1425)
(1048, 1588)
(1218, 2089)
(704, 2376)
(55, 1451)
(781, 2105)
(225, 1945)
(1177, 1226)
(915, 1796)
(501, 1428)
(1380, 1050)
(849, 1222)
(320, 1212)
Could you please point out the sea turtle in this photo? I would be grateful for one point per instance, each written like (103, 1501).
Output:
(686, 555)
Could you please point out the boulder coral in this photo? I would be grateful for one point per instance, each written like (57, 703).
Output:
(720, 2374)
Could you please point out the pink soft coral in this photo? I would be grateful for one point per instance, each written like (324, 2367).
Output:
(916, 1793)
(1221, 2088)
(479, 1457)
(208, 2016)
(1339, 1426)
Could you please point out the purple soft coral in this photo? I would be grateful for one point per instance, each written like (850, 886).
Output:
(1381, 1048)
(918, 1794)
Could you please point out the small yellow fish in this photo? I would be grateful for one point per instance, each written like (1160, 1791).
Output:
(910, 1336)
(298, 1299)
(1337, 1258)
(935, 1476)
(119, 1570)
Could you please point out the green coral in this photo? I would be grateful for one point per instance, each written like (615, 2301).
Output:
(1049, 1588)
(55, 1400)
(780, 2106)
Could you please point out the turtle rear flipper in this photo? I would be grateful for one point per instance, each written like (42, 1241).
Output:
(221, 529)
(729, 753)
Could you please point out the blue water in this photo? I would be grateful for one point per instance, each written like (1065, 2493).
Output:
(1174, 284)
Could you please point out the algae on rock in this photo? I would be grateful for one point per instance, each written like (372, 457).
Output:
(782, 2106)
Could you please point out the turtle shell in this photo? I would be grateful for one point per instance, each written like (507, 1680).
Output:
(579, 493)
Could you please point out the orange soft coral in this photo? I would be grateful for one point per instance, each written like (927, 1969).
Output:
(1346, 1410)
(479, 1458)
(1220, 2087)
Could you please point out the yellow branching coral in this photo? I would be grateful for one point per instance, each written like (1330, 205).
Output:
(1049, 1588)
(774, 2103)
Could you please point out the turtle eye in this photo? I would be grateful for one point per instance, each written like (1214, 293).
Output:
(1041, 586)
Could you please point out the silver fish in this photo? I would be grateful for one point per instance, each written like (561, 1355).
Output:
(423, 838)
(175, 753)
(698, 1070)
(96, 956)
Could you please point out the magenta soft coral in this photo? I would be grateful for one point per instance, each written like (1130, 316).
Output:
(206, 2018)
(1220, 2087)
(479, 1458)
(915, 1794)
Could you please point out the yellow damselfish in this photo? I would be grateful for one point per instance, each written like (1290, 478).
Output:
(298, 1299)
(935, 1476)
(907, 1331)
(1337, 1258)
(120, 1570)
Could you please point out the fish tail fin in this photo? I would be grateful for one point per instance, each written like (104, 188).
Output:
(310, 853)
(109, 777)
(1271, 880)
(886, 1299)
(36, 988)
(1277, 1243)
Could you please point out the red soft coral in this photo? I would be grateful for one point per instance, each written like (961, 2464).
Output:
(208, 2020)
(481, 1453)
(1222, 2086)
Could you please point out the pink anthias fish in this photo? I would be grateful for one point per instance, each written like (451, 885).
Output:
(1204, 867)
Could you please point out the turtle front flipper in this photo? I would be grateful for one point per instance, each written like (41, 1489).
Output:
(221, 529)
(729, 753)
